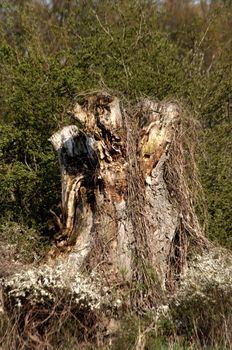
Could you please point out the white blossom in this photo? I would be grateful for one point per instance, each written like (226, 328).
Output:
(45, 283)
(212, 269)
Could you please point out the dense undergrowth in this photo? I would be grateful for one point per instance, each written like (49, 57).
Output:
(51, 308)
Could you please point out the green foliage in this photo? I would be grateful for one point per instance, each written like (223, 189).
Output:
(216, 178)
(211, 101)
(208, 90)
(126, 336)
(26, 245)
(35, 92)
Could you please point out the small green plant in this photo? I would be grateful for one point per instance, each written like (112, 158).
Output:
(25, 244)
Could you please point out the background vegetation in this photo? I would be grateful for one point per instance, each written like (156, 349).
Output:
(52, 51)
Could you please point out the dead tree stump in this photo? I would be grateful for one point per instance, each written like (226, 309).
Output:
(126, 207)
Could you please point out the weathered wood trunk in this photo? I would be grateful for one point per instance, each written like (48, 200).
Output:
(125, 203)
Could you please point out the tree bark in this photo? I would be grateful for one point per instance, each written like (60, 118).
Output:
(126, 207)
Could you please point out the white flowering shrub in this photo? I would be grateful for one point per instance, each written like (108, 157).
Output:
(49, 304)
(45, 285)
(202, 306)
(214, 268)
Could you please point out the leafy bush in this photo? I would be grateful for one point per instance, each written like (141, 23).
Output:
(25, 244)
